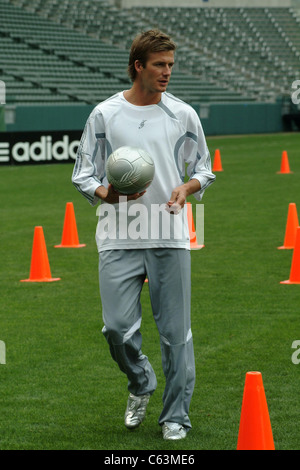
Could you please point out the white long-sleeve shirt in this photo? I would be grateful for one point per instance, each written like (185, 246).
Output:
(171, 133)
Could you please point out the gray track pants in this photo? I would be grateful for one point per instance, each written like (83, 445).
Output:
(121, 277)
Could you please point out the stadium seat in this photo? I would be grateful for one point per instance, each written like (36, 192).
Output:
(224, 54)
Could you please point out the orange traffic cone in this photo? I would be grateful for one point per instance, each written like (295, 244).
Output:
(217, 166)
(285, 166)
(291, 228)
(39, 268)
(295, 267)
(192, 232)
(70, 234)
(255, 432)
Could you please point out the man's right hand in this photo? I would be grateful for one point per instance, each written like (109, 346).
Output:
(111, 196)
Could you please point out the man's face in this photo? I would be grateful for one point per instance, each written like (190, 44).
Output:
(155, 76)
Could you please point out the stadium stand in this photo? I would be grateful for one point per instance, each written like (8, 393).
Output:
(72, 51)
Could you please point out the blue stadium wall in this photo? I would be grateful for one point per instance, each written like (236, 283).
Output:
(51, 134)
(216, 118)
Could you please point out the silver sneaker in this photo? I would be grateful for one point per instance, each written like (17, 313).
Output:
(136, 410)
(173, 431)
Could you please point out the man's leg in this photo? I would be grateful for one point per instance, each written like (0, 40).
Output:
(121, 278)
(170, 290)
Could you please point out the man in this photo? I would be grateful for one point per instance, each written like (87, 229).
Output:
(147, 117)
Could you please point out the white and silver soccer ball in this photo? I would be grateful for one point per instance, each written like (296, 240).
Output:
(130, 170)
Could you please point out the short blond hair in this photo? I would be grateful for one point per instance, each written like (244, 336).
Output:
(144, 44)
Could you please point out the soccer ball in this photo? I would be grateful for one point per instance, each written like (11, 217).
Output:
(130, 170)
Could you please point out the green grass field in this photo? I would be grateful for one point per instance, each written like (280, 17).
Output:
(59, 387)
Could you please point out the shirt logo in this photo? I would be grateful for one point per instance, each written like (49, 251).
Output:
(142, 124)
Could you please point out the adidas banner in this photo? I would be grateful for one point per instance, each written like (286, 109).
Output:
(38, 147)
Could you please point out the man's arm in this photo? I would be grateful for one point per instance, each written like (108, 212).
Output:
(180, 194)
